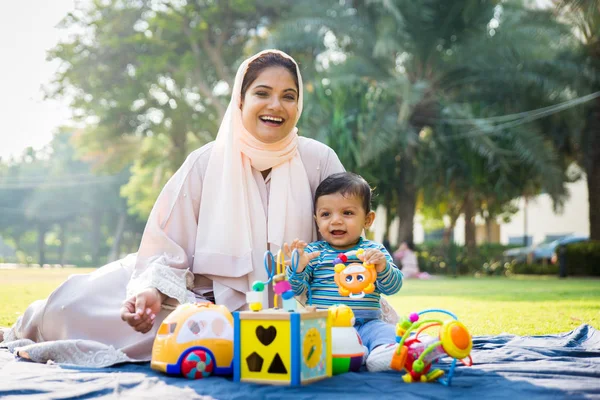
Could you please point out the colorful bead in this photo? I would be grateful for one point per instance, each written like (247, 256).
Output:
(418, 366)
(343, 258)
(282, 287)
(414, 317)
(254, 297)
(287, 295)
(258, 286)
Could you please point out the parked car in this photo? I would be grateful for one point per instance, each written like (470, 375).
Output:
(546, 252)
(543, 251)
(519, 254)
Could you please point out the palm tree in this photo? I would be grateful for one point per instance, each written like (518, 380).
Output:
(583, 17)
(433, 58)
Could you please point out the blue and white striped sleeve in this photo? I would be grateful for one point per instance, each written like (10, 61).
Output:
(389, 281)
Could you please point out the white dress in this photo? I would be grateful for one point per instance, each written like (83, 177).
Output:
(410, 264)
(80, 322)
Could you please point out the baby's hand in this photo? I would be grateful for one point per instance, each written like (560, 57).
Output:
(375, 257)
(304, 258)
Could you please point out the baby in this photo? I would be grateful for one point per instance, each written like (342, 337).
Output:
(342, 212)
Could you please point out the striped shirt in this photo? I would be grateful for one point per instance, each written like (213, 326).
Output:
(318, 278)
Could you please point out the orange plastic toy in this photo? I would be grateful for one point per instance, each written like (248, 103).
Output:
(356, 279)
(416, 353)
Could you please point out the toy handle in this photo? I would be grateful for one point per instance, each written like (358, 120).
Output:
(295, 259)
(270, 270)
(422, 328)
(357, 296)
(280, 261)
(438, 310)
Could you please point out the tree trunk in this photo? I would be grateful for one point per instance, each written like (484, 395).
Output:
(116, 246)
(96, 234)
(407, 197)
(470, 239)
(593, 170)
(178, 151)
(17, 239)
(488, 229)
(389, 216)
(42, 229)
(63, 243)
(448, 231)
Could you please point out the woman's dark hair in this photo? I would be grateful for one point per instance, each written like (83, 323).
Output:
(346, 184)
(411, 245)
(263, 62)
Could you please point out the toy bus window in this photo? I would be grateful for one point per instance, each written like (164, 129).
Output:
(194, 327)
(167, 329)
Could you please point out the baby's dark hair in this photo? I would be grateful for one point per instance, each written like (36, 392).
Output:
(347, 184)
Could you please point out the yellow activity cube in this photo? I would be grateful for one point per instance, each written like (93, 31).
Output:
(282, 348)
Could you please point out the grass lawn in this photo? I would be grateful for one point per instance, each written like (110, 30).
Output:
(522, 305)
(20, 287)
(519, 305)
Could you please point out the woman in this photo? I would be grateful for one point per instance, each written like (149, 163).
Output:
(248, 191)
(405, 256)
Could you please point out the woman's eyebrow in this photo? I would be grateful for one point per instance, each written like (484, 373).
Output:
(270, 88)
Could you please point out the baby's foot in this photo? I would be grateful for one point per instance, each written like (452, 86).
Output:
(380, 358)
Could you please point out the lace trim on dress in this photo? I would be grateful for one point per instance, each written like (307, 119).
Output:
(10, 334)
(75, 352)
(170, 281)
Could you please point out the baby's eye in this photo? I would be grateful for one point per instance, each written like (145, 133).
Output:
(348, 213)
(324, 214)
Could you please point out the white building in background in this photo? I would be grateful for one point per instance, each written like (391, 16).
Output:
(542, 222)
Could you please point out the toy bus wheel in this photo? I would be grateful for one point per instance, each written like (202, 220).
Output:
(197, 364)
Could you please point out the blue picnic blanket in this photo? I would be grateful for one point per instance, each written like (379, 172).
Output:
(505, 367)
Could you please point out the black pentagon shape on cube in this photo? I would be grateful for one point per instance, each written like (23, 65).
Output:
(255, 362)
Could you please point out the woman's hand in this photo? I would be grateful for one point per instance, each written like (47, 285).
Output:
(139, 311)
(304, 258)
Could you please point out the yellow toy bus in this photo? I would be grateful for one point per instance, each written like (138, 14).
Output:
(195, 340)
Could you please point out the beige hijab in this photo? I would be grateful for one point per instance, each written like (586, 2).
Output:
(233, 228)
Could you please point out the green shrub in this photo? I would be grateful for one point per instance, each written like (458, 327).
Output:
(532, 269)
(583, 259)
(437, 259)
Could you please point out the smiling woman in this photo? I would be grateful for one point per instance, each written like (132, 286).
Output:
(250, 190)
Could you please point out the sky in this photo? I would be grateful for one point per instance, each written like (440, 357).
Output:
(27, 30)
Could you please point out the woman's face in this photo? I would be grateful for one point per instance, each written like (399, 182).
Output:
(270, 106)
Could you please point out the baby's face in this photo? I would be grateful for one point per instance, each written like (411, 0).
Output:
(341, 219)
